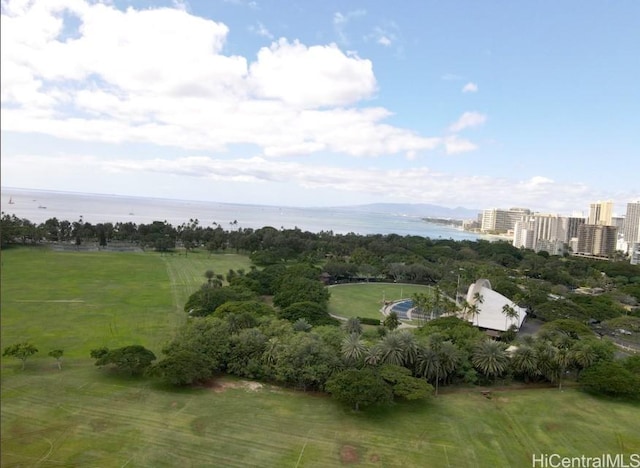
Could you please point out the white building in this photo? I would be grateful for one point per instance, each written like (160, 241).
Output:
(499, 220)
(539, 232)
(490, 315)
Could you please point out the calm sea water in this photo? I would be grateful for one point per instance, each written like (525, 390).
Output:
(38, 206)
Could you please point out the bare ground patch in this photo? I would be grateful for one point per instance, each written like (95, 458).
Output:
(349, 455)
(221, 385)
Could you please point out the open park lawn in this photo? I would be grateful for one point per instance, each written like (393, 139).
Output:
(86, 417)
(366, 299)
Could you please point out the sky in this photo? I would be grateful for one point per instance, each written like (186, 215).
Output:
(490, 104)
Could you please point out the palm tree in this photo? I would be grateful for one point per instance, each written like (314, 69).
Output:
(509, 313)
(490, 357)
(353, 348)
(478, 298)
(563, 359)
(392, 350)
(392, 321)
(437, 359)
(373, 355)
(213, 279)
(545, 356)
(270, 354)
(464, 307)
(353, 325)
(474, 311)
(302, 325)
(524, 361)
(584, 355)
(437, 301)
(409, 347)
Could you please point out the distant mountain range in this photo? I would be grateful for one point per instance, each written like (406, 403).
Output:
(417, 209)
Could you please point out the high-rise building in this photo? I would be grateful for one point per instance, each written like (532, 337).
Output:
(597, 240)
(631, 227)
(600, 213)
(571, 227)
(540, 232)
(499, 220)
(634, 253)
(524, 234)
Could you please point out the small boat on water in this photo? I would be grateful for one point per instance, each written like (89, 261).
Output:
(42, 207)
(11, 202)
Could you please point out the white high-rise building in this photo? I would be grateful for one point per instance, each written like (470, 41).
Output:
(541, 232)
(499, 220)
(524, 234)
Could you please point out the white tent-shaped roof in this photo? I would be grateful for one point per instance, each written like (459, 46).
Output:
(491, 314)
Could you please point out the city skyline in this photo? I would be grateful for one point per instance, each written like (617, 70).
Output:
(324, 105)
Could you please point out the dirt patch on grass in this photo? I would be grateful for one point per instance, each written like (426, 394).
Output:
(221, 385)
(199, 425)
(349, 455)
(99, 425)
(551, 427)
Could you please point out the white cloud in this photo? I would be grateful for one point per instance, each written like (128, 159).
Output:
(467, 120)
(341, 20)
(181, 5)
(261, 30)
(311, 76)
(539, 180)
(384, 36)
(470, 88)
(455, 145)
(160, 76)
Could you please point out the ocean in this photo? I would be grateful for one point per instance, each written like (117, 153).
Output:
(39, 205)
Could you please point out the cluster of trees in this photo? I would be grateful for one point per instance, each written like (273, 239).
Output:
(375, 367)
(24, 350)
(232, 330)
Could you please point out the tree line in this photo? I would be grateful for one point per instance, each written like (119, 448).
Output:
(545, 285)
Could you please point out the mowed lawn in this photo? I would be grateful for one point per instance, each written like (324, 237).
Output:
(86, 417)
(78, 301)
(366, 299)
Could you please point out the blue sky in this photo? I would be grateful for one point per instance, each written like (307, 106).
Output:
(458, 103)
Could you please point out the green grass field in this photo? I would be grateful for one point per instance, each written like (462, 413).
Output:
(83, 416)
(366, 299)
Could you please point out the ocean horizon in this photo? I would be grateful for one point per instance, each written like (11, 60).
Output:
(40, 205)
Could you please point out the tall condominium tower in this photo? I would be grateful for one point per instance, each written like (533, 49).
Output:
(600, 213)
(499, 220)
(631, 227)
(596, 240)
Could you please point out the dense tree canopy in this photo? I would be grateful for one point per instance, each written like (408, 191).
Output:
(359, 388)
(132, 360)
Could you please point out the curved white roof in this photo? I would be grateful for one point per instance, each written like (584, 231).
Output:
(490, 314)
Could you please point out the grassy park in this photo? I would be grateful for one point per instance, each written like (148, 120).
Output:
(84, 416)
(366, 299)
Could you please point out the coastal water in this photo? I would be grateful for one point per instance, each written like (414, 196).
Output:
(38, 206)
